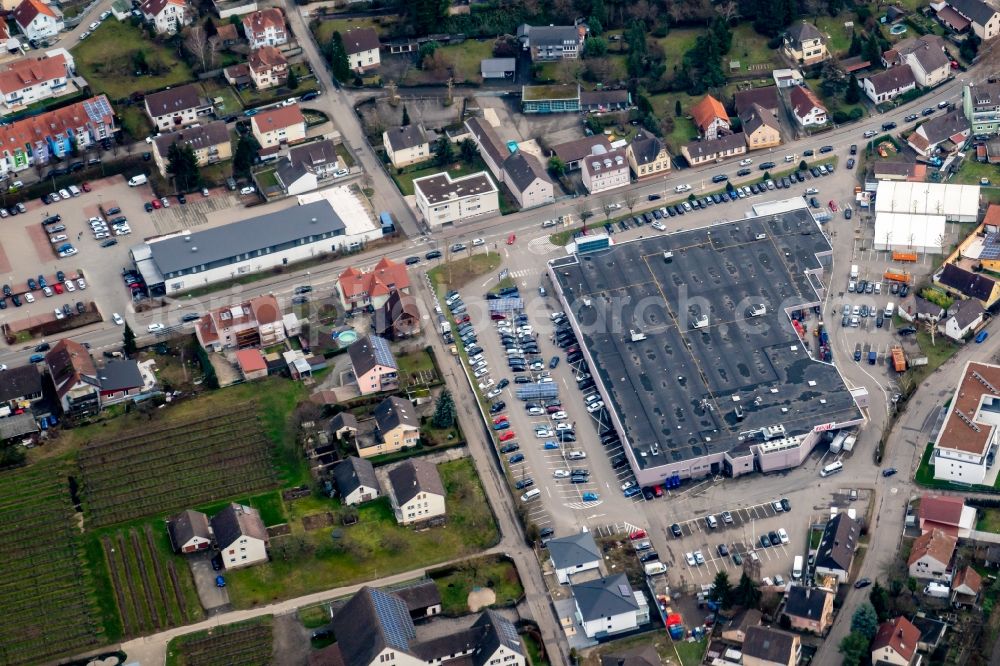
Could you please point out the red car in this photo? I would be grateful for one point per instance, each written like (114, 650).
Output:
(462, 319)
(156, 203)
(833, 205)
(85, 187)
(658, 491)
(500, 419)
(507, 436)
(638, 534)
(511, 239)
(58, 288)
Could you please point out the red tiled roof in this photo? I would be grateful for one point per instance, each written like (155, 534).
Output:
(154, 7)
(265, 58)
(273, 119)
(29, 9)
(385, 276)
(258, 22)
(265, 310)
(251, 360)
(900, 635)
(707, 110)
(36, 129)
(31, 71)
(936, 544)
(69, 362)
(804, 100)
(968, 577)
(941, 509)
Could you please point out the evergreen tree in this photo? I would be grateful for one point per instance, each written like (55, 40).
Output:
(595, 25)
(293, 79)
(855, 48)
(747, 594)
(853, 93)
(598, 13)
(853, 647)
(444, 152)
(722, 590)
(337, 53)
(556, 166)
(872, 49)
(635, 37)
(879, 599)
(677, 109)
(426, 16)
(183, 166)
(969, 47)
(245, 156)
(406, 117)
(865, 621)
(128, 340)
(723, 35)
(468, 151)
(210, 29)
(444, 412)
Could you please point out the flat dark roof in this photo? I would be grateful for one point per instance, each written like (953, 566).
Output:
(674, 391)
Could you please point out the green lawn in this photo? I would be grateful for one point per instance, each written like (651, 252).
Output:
(925, 477)
(839, 37)
(373, 547)
(267, 179)
(456, 273)
(325, 29)
(313, 617)
(270, 505)
(971, 171)
(405, 180)
(678, 42)
(464, 59)
(216, 90)
(534, 651)
(750, 48)
(135, 122)
(418, 361)
(691, 652)
(989, 520)
(936, 354)
(106, 60)
(496, 573)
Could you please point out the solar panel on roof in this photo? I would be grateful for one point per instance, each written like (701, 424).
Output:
(394, 618)
(991, 247)
(381, 350)
(508, 634)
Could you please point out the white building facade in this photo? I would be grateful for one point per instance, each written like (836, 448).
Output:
(444, 200)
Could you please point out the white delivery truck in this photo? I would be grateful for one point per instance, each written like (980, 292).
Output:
(136, 181)
(838, 442)
(797, 568)
(937, 590)
(854, 271)
(655, 568)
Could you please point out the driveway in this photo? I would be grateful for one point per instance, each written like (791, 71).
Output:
(213, 599)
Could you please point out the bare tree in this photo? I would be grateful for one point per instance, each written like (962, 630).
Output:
(606, 207)
(728, 10)
(630, 199)
(583, 212)
(196, 44)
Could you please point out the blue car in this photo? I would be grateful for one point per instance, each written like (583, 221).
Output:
(590, 497)
(37, 358)
(516, 458)
(982, 336)
(633, 491)
(549, 445)
(52, 421)
(503, 425)
(220, 581)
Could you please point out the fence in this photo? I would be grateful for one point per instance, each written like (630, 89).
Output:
(78, 19)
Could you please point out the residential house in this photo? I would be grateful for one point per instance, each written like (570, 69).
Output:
(167, 16)
(343, 424)
(20, 388)
(176, 107)
(964, 317)
(492, 148)
(899, 171)
(760, 128)
(31, 79)
(765, 97)
(968, 284)
(804, 44)
(398, 318)
(307, 165)
(966, 587)
(647, 156)
(888, 85)
(227, 35)
(37, 20)
(764, 646)
(915, 307)
(371, 289)
(836, 548)
(895, 643)
(397, 427)
(362, 46)
(573, 152)
(710, 118)
(265, 27)
(376, 628)
(238, 75)
(119, 380)
(253, 323)
(967, 442)
(606, 171)
(981, 106)
(786, 78)
(442, 199)
(422, 599)
(37, 140)
(809, 608)
(925, 56)
(189, 532)
(946, 513)
(268, 68)
(806, 107)
(497, 68)
(948, 132)
(417, 493)
(710, 150)
(75, 377)
(644, 655)
(552, 42)
(278, 126)
(608, 606)
(373, 365)
(407, 145)
(209, 142)
(251, 363)
(355, 480)
(735, 630)
(930, 556)
(240, 536)
(527, 180)
(984, 19)
(602, 101)
(573, 554)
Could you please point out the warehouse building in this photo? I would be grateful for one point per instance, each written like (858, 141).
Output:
(906, 232)
(696, 355)
(186, 260)
(957, 203)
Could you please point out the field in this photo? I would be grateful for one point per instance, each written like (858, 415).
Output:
(750, 48)
(157, 470)
(331, 555)
(152, 588)
(246, 643)
(46, 599)
(107, 59)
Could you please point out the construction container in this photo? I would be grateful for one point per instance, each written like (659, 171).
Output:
(898, 255)
(898, 359)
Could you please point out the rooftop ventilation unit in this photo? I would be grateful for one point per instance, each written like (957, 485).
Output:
(637, 336)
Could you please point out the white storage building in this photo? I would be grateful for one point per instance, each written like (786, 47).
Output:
(907, 232)
(956, 203)
(360, 225)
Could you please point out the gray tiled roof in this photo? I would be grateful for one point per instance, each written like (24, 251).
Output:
(604, 597)
(836, 548)
(235, 521)
(394, 412)
(973, 285)
(944, 127)
(805, 602)
(364, 354)
(802, 31)
(371, 621)
(206, 136)
(570, 551)
(414, 477)
(352, 473)
(120, 375)
(974, 10)
(646, 148)
(488, 139)
(523, 169)
(401, 138)
(19, 382)
(768, 644)
(540, 36)
(177, 253)
(187, 525)
(891, 79)
(714, 146)
(173, 100)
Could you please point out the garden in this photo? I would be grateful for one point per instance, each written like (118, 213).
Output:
(493, 577)
(249, 642)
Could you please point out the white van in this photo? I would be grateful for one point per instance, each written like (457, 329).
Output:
(531, 495)
(74, 191)
(655, 568)
(136, 181)
(789, 158)
(890, 306)
(832, 468)
(797, 568)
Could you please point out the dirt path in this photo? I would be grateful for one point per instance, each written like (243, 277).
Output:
(291, 641)
(481, 598)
